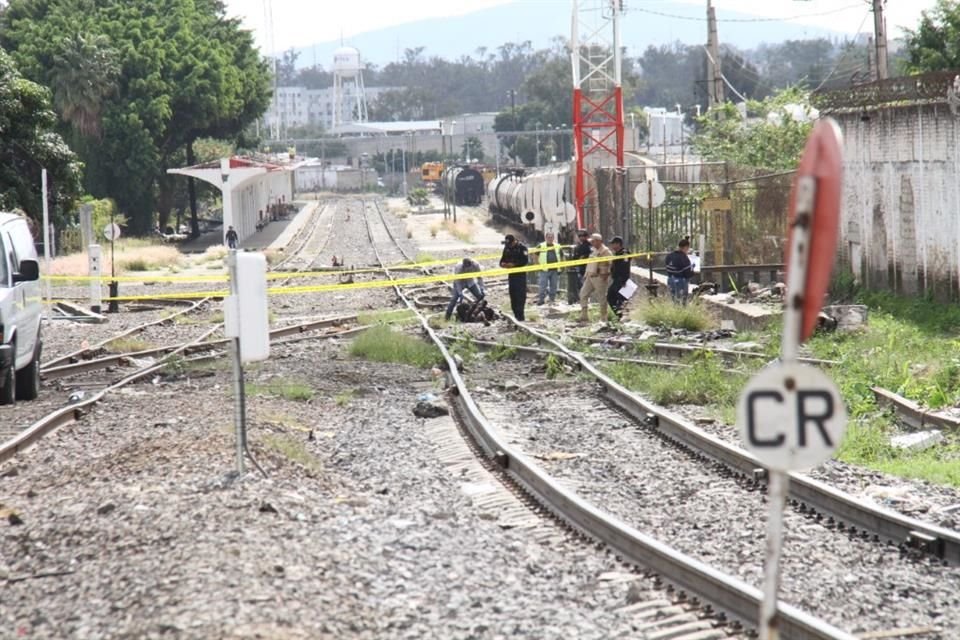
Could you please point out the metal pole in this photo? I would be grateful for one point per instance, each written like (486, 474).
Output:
(652, 285)
(880, 34)
(239, 399)
(778, 483)
(403, 161)
(46, 235)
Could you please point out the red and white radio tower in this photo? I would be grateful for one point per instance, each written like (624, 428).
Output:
(597, 98)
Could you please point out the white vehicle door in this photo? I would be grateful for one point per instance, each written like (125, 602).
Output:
(28, 307)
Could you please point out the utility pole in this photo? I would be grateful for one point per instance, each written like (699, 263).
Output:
(871, 59)
(714, 76)
(880, 35)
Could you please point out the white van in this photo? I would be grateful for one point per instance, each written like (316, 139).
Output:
(20, 310)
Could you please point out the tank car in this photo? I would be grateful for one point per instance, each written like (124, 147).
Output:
(463, 185)
(541, 199)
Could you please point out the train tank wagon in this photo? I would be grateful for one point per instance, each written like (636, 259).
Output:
(541, 199)
(464, 186)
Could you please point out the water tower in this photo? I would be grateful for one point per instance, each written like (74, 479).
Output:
(349, 99)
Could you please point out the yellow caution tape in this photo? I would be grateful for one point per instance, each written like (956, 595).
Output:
(275, 275)
(375, 284)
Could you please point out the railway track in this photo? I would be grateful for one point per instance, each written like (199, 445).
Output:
(729, 595)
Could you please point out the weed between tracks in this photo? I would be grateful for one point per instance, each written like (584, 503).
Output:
(128, 345)
(393, 316)
(705, 383)
(381, 343)
(667, 315)
(294, 450)
(293, 390)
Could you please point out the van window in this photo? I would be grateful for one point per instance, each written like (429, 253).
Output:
(4, 269)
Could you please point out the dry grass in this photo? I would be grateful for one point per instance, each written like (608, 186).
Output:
(462, 231)
(131, 256)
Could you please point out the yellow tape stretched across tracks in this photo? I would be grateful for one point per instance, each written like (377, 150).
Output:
(376, 284)
(277, 275)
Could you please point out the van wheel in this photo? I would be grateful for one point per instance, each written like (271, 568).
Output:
(7, 389)
(28, 378)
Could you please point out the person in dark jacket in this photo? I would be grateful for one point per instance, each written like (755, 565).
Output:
(581, 251)
(231, 237)
(679, 272)
(515, 255)
(619, 275)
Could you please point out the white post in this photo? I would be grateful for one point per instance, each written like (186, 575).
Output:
(46, 235)
(93, 257)
(232, 330)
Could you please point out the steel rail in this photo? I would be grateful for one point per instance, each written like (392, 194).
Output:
(822, 498)
(728, 594)
(73, 413)
(84, 366)
(80, 353)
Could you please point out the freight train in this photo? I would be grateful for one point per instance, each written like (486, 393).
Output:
(463, 186)
(541, 199)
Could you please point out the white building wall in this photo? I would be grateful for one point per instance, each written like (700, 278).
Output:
(900, 219)
(300, 107)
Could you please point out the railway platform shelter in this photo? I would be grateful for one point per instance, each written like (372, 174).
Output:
(248, 188)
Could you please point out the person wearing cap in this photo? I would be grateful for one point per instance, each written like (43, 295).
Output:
(473, 285)
(581, 251)
(547, 283)
(515, 255)
(596, 280)
(619, 274)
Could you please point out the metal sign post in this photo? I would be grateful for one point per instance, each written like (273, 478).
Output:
(239, 391)
(247, 324)
(650, 194)
(792, 416)
(46, 238)
(95, 268)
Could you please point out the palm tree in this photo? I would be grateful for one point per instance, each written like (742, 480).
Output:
(85, 72)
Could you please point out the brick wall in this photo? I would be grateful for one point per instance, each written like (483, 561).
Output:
(900, 224)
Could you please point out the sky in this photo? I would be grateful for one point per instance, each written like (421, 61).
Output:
(299, 23)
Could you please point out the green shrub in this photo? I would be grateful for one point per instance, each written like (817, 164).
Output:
(381, 343)
(667, 315)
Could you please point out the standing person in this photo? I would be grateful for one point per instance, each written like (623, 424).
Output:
(619, 275)
(679, 272)
(581, 251)
(515, 255)
(473, 285)
(231, 238)
(547, 284)
(595, 280)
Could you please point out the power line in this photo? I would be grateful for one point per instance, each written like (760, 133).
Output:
(725, 81)
(843, 55)
(784, 19)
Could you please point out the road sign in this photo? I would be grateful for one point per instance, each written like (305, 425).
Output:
(717, 204)
(815, 217)
(111, 232)
(791, 416)
(647, 191)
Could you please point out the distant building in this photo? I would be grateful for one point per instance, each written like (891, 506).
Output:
(301, 107)
(665, 127)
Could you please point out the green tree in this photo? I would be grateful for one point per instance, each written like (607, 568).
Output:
(932, 46)
(186, 72)
(84, 75)
(28, 144)
(769, 138)
(473, 149)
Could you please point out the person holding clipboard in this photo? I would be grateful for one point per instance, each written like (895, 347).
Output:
(622, 287)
